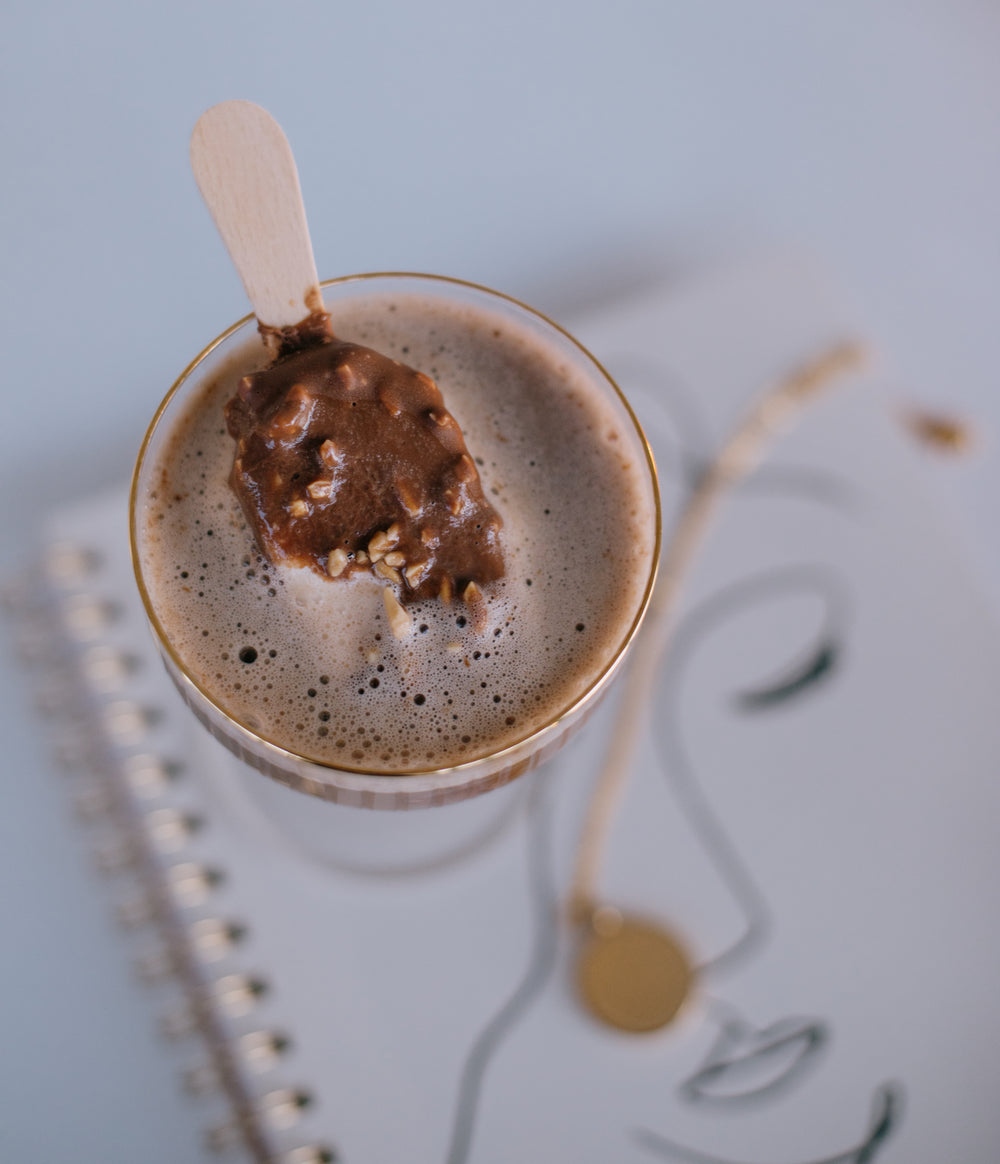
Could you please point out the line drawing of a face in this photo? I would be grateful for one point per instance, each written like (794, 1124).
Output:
(780, 635)
(744, 1068)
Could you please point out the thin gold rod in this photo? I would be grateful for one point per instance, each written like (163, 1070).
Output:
(737, 458)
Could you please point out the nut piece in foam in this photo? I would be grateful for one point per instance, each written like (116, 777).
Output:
(400, 622)
(473, 597)
(336, 563)
(388, 573)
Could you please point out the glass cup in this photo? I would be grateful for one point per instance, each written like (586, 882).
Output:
(357, 787)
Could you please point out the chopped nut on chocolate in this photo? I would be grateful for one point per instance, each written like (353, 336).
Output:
(355, 447)
(378, 546)
(293, 416)
(408, 499)
(329, 454)
(414, 574)
(471, 593)
(320, 490)
(464, 469)
(346, 378)
(390, 405)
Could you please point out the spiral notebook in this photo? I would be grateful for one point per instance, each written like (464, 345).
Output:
(813, 809)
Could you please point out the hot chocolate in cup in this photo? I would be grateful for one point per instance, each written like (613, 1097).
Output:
(299, 675)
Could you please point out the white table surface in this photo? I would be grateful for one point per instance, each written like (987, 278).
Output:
(561, 151)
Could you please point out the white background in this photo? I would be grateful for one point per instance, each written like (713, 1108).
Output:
(560, 151)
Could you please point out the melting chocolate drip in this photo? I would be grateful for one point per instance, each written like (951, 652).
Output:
(283, 341)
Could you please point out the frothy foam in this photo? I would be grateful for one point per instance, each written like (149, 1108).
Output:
(311, 664)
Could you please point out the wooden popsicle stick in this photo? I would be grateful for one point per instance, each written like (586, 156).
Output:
(245, 171)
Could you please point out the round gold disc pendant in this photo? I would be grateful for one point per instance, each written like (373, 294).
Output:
(632, 974)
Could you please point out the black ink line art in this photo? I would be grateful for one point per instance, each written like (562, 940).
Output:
(668, 735)
(817, 665)
(887, 1109)
(748, 1063)
(540, 966)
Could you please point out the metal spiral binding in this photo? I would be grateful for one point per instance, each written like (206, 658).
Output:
(214, 938)
(93, 801)
(260, 1050)
(280, 1109)
(149, 776)
(123, 790)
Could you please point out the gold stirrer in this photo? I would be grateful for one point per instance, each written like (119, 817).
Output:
(632, 972)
